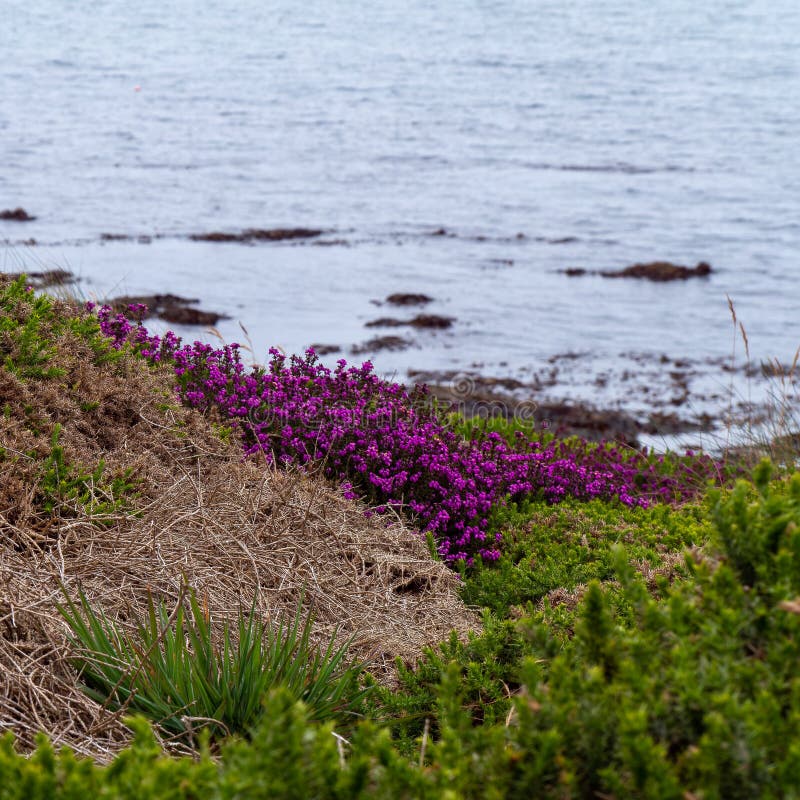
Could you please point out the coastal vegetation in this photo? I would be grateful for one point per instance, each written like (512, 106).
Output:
(625, 624)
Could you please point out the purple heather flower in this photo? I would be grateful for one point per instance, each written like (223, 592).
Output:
(387, 444)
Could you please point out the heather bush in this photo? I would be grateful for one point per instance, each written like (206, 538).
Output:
(395, 448)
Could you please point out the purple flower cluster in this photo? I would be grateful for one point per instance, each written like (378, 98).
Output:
(120, 330)
(391, 445)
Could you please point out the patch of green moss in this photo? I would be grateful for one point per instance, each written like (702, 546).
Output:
(224, 432)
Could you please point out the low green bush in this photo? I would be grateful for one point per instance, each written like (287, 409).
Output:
(90, 494)
(31, 330)
(663, 688)
(547, 548)
(702, 693)
(140, 772)
(487, 668)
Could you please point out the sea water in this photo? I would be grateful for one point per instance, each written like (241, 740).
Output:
(536, 135)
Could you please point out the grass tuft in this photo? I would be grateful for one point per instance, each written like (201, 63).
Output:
(171, 670)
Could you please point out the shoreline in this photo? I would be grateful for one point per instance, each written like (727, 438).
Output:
(636, 398)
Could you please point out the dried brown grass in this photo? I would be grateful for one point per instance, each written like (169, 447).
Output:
(770, 428)
(236, 531)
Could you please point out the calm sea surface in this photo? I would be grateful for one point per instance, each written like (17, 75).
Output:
(606, 132)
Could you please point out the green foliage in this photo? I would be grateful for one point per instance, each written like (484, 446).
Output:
(562, 547)
(487, 667)
(224, 432)
(288, 757)
(86, 328)
(62, 485)
(171, 671)
(753, 526)
(475, 427)
(141, 772)
(25, 346)
(684, 688)
(30, 330)
(701, 694)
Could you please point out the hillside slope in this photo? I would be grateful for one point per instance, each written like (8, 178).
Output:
(108, 484)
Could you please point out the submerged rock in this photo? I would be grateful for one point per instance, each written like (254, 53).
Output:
(169, 307)
(16, 215)
(325, 349)
(385, 322)
(382, 343)
(661, 271)
(257, 235)
(410, 299)
(431, 321)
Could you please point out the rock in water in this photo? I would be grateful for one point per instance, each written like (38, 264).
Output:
(16, 215)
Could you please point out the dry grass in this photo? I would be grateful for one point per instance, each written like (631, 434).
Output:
(771, 427)
(231, 529)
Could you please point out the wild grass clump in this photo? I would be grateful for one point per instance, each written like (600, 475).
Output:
(769, 427)
(393, 446)
(171, 671)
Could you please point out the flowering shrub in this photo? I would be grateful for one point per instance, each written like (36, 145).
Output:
(392, 445)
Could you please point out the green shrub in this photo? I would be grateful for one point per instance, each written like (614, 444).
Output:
(547, 547)
(31, 328)
(140, 772)
(487, 668)
(662, 689)
(90, 494)
(26, 345)
(702, 693)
